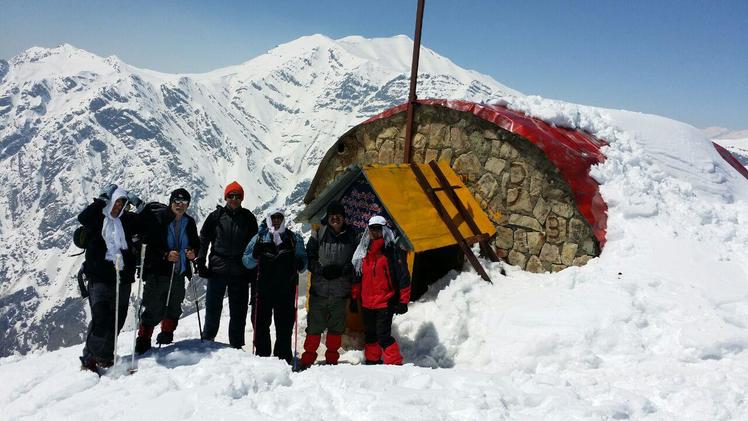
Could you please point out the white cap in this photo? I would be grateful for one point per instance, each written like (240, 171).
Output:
(377, 220)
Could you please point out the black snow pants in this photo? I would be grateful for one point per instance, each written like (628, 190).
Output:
(238, 291)
(155, 293)
(280, 307)
(100, 339)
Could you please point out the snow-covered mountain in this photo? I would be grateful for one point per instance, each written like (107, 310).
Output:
(72, 122)
(715, 132)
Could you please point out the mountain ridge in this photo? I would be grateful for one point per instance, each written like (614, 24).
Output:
(71, 122)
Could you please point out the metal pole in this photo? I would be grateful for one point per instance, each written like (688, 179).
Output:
(117, 265)
(168, 293)
(138, 308)
(296, 330)
(197, 302)
(171, 281)
(413, 82)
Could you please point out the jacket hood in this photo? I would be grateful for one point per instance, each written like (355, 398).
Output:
(118, 194)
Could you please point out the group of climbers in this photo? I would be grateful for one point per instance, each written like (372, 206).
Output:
(236, 257)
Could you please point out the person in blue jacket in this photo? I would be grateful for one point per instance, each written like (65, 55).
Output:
(279, 256)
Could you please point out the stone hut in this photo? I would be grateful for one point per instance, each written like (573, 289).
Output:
(531, 179)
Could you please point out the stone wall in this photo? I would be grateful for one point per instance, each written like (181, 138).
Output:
(538, 225)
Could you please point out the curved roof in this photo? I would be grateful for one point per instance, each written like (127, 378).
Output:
(573, 152)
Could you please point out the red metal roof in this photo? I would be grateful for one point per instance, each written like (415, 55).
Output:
(573, 152)
(727, 156)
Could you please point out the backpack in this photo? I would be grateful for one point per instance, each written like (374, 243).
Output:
(151, 216)
(81, 237)
(153, 208)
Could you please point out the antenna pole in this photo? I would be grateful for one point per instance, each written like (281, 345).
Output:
(413, 82)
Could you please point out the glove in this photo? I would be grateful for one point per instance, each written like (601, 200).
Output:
(400, 308)
(259, 249)
(331, 271)
(353, 306)
(135, 201)
(355, 291)
(202, 270)
(299, 264)
(107, 192)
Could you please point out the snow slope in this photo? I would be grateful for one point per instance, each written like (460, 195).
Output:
(656, 328)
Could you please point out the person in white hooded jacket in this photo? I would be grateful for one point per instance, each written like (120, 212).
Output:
(279, 256)
(110, 230)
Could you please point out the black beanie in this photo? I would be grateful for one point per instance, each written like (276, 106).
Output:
(179, 194)
(335, 208)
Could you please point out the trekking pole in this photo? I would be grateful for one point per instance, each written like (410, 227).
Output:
(254, 289)
(138, 308)
(296, 329)
(256, 309)
(168, 293)
(197, 304)
(116, 307)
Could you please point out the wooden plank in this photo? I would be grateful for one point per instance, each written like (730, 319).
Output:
(446, 188)
(476, 238)
(486, 248)
(423, 182)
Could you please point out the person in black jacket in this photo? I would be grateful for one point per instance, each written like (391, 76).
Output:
(329, 250)
(279, 255)
(171, 238)
(227, 230)
(110, 229)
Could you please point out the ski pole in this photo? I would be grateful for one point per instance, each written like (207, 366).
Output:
(171, 280)
(197, 304)
(168, 293)
(296, 329)
(255, 309)
(138, 308)
(116, 307)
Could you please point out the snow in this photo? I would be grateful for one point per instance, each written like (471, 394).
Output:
(655, 328)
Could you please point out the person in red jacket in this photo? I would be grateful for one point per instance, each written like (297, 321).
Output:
(381, 266)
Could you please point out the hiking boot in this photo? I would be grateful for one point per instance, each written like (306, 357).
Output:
(142, 345)
(301, 367)
(369, 362)
(88, 364)
(164, 338)
(104, 363)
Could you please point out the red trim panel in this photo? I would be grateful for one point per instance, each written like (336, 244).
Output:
(727, 156)
(572, 152)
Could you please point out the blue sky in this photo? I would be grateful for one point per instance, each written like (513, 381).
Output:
(686, 60)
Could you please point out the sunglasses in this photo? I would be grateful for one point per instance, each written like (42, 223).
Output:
(375, 228)
(181, 202)
(234, 196)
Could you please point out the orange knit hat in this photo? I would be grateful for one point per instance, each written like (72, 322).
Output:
(233, 187)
